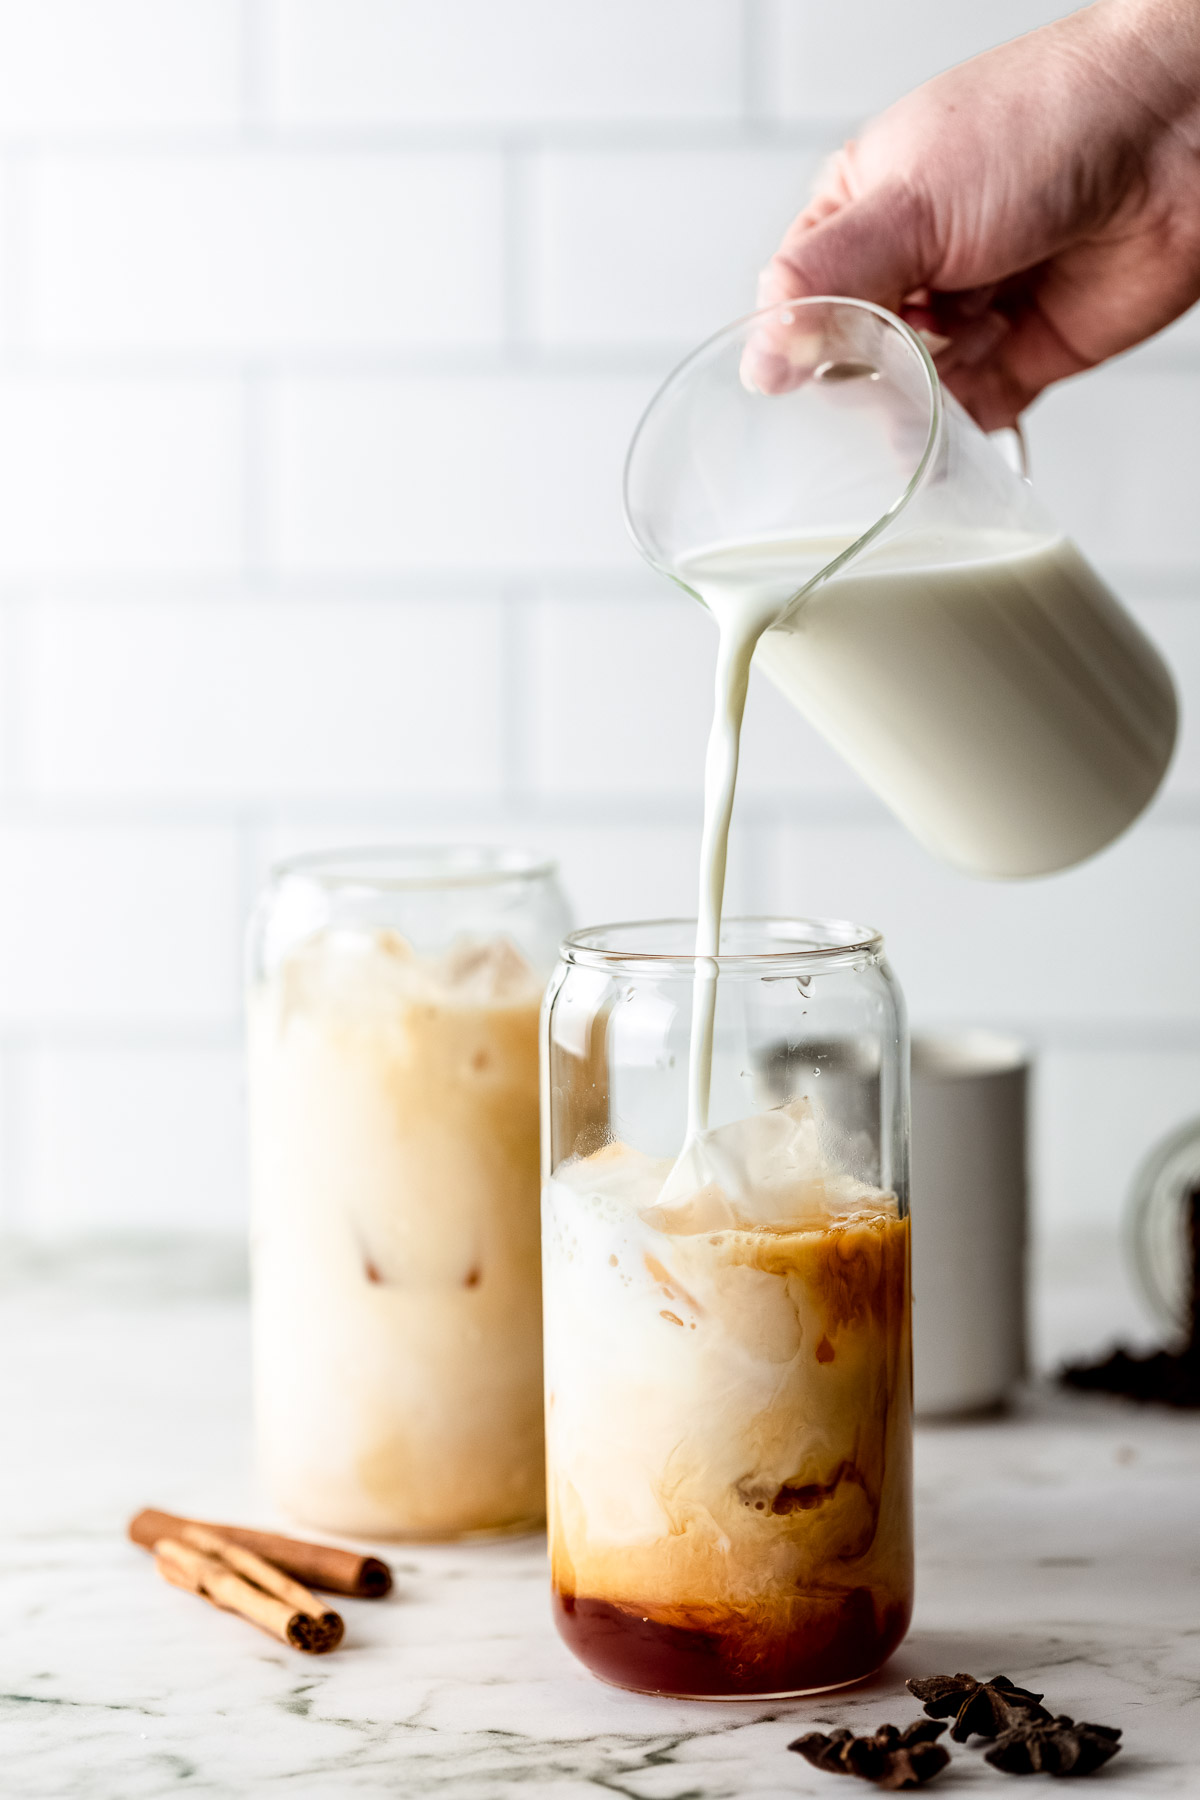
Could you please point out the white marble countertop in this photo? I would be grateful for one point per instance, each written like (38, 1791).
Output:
(1059, 1545)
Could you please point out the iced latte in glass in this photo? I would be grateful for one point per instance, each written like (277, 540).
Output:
(393, 1025)
(728, 1360)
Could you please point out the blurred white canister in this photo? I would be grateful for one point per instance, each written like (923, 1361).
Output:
(969, 1209)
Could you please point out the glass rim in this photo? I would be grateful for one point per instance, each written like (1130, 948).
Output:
(429, 866)
(733, 330)
(843, 941)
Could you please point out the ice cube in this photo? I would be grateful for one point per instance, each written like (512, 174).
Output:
(760, 1173)
(493, 969)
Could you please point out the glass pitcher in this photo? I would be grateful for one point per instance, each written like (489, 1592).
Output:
(933, 622)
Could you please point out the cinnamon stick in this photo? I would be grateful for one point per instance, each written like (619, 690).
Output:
(316, 1565)
(185, 1567)
(255, 1569)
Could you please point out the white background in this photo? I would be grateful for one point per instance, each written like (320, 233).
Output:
(323, 324)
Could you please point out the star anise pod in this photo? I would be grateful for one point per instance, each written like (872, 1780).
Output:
(892, 1759)
(980, 1708)
(823, 1749)
(1055, 1746)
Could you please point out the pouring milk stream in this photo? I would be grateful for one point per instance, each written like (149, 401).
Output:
(905, 590)
(742, 612)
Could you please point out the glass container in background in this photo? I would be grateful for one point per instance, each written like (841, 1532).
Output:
(393, 1058)
(1162, 1231)
(727, 1336)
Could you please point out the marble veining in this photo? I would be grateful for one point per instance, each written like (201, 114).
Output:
(1059, 1545)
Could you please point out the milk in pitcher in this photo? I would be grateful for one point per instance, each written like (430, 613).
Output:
(986, 684)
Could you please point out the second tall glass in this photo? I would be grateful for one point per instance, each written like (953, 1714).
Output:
(393, 1014)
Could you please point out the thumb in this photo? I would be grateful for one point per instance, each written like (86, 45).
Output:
(875, 248)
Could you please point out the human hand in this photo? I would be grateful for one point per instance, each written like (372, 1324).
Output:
(1034, 211)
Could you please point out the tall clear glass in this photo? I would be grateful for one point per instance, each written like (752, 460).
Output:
(727, 1334)
(393, 1035)
(932, 619)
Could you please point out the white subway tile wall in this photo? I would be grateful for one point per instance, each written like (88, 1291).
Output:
(521, 63)
(377, 474)
(654, 246)
(264, 250)
(109, 927)
(323, 326)
(120, 474)
(245, 699)
(830, 62)
(127, 1112)
(120, 66)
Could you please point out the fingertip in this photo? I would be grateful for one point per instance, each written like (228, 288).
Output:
(777, 282)
(921, 320)
(763, 370)
(871, 248)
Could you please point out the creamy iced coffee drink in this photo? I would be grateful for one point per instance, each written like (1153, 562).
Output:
(394, 1125)
(729, 1413)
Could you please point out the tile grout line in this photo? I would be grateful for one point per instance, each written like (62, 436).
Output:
(255, 59)
(15, 259)
(515, 680)
(256, 469)
(517, 241)
(14, 694)
(14, 1131)
(474, 359)
(621, 135)
(247, 844)
(756, 114)
(471, 360)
